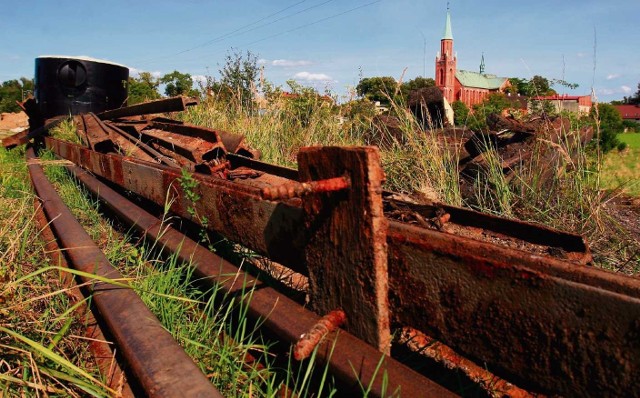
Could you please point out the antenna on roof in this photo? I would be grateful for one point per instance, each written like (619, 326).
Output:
(447, 6)
(482, 65)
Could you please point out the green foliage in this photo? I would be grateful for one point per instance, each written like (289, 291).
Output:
(634, 99)
(12, 91)
(494, 103)
(460, 113)
(610, 123)
(381, 89)
(543, 107)
(415, 84)
(621, 146)
(518, 86)
(143, 88)
(178, 84)
(238, 78)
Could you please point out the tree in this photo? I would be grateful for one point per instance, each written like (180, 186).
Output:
(177, 84)
(494, 103)
(12, 91)
(143, 88)
(239, 76)
(519, 86)
(416, 84)
(539, 86)
(635, 99)
(460, 113)
(380, 89)
(610, 125)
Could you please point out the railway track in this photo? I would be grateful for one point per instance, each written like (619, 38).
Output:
(501, 302)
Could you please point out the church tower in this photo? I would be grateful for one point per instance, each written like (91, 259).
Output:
(446, 63)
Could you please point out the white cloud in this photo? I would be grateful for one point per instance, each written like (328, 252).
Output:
(581, 55)
(290, 62)
(134, 72)
(615, 90)
(613, 76)
(285, 63)
(316, 77)
(199, 79)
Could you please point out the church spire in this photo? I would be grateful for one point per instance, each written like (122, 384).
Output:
(482, 65)
(447, 26)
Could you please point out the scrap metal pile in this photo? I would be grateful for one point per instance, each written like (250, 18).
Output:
(501, 302)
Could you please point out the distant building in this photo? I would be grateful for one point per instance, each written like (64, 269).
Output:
(460, 85)
(629, 112)
(562, 102)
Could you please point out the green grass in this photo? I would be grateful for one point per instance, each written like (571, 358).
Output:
(621, 169)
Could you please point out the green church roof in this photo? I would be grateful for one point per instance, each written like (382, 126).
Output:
(447, 28)
(477, 80)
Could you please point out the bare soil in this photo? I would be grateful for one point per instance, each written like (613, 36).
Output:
(14, 122)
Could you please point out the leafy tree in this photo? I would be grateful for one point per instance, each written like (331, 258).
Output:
(460, 113)
(177, 84)
(239, 76)
(12, 91)
(377, 89)
(610, 125)
(519, 86)
(539, 85)
(634, 99)
(494, 103)
(143, 88)
(412, 85)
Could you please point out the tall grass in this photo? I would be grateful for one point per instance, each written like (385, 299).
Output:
(558, 185)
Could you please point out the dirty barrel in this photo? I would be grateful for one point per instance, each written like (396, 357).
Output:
(71, 85)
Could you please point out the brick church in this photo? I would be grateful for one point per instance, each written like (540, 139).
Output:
(460, 85)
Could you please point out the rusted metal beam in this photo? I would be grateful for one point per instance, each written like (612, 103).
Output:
(234, 209)
(158, 362)
(545, 324)
(350, 359)
(347, 250)
(174, 104)
(233, 143)
(24, 136)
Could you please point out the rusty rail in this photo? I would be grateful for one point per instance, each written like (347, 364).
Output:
(542, 320)
(141, 338)
(352, 360)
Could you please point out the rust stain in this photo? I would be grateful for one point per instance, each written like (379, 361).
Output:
(308, 341)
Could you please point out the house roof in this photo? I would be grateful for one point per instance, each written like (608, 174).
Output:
(559, 97)
(629, 111)
(475, 79)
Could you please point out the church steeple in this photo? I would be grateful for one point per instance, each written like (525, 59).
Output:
(447, 27)
(446, 62)
(482, 65)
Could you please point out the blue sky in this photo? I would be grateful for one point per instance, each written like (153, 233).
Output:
(331, 43)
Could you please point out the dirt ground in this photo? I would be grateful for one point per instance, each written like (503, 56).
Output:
(13, 122)
(626, 210)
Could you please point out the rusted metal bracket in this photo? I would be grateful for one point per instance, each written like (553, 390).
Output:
(346, 254)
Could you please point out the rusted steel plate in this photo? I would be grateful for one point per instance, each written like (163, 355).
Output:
(158, 362)
(174, 104)
(347, 250)
(234, 209)
(97, 137)
(242, 161)
(352, 361)
(543, 323)
(233, 143)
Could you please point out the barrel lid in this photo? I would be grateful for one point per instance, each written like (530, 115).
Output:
(82, 58)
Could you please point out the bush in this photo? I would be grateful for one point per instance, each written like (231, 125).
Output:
(622, 146)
